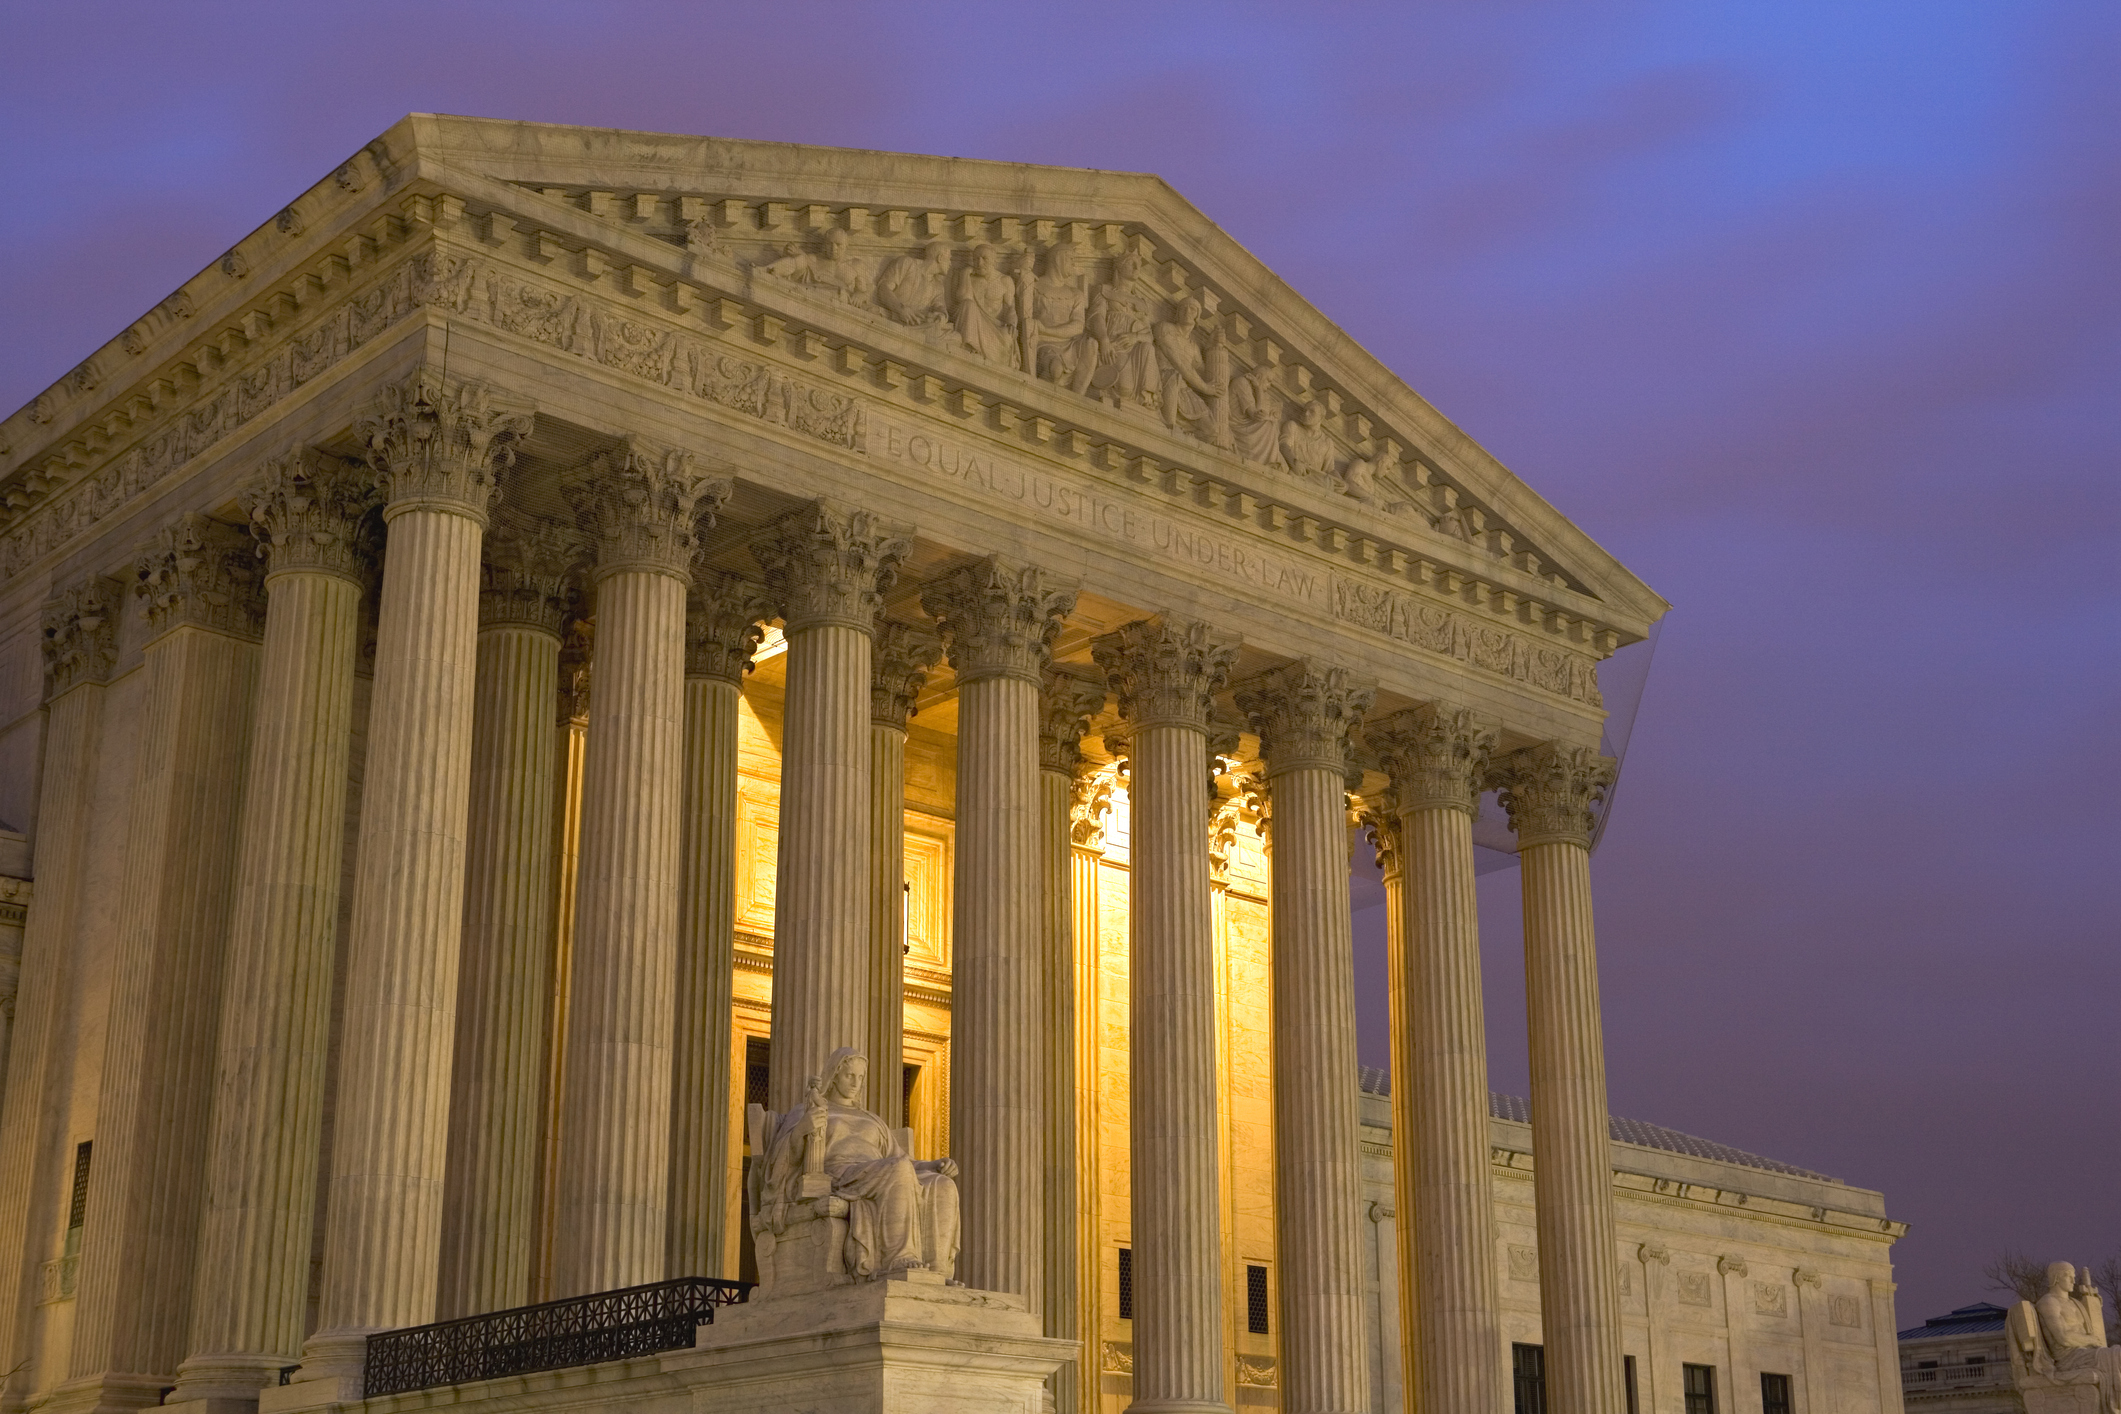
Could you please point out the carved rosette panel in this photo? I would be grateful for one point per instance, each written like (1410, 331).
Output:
(204, 573)
(1165, 671)
(1436, 756)
(830, 564)
(998, 618)
(724, 621)
(81, 633)
(441, 447)
(527, 575)
(306, 510)
(1066, 703)
(1549, 790)
(1303, 713)
(898, 669)
(640, 506)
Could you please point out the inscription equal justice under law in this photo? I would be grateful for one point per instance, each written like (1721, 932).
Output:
(1098, 511)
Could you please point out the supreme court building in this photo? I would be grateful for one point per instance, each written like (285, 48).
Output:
(564, 634)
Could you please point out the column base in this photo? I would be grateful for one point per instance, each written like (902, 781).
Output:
(1177, 1406)
(334, 1365)
(107, 1394)
(226, 1384)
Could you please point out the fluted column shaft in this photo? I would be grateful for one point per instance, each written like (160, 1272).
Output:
(721, 631)
(1381, 822)
(254, 1240)
(826, 566)
(1437, 759)
(1548, 791)
(1303, 712)
(436, 450)
(1062, 1221)
(885, 1040)
(80, 634)
(497, 1110)
(153, 1111)
(1164, 673)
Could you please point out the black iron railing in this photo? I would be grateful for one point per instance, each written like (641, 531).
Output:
(582, 1330)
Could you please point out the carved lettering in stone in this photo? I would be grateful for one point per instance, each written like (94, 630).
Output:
(724, 621)
(1524, 1263)
(306, 511)
(204, 573)
(527, 573)
(81, 634)
(898, 669)
(435, 445)
(1165, 671)
(1066, 703)
(1303, 712)
(1844, 1311)
(1549, 790)
(1436, 756)
(640, 506)
(1409, 619)
(1694, 1289)
(998, 618)
(1771, 1298)
(829, 563)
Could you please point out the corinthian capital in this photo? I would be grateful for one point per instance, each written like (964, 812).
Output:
(1303, 713)
(830, 564)
(998, 618)
(305, 510)
(81, 633)
(1436, 756)
(526, 576)
(1549, 790)
(1066, 703)
(639, 505)
(724, 621)
(441, 447)
(1380, 822)
(898, 669)
(202, 572)
(1166, 671)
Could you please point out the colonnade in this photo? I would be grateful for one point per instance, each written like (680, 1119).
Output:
(431, 1195)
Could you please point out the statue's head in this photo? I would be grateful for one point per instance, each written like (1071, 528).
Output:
(2060, 1276)
(835, 243)
(983, 258)
(846, 1074)
(1187, 313)
(1060, 261)
(1314, 414)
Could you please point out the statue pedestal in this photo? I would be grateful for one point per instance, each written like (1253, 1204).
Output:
(905, 1345)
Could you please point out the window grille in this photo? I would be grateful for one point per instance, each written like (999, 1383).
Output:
(1126, 1283)
(1627, 1367)
(1699, 1383)
(758, 1069)
(77, 1210)
(1528, 1372)
(1775, 1394)
(909, 1076)
(1256, 1300)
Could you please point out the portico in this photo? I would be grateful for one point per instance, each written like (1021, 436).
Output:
(1024, 633)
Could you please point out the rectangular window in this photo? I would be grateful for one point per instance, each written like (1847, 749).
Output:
(758, 1069)
(909, 1076)
(1699, 1383)
(77, 1210)
(1256, 1300)
(1126, 1283)
(1774, 1394)
(1528, 1372)
(1627, 1370)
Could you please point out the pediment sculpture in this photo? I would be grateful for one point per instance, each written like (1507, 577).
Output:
(2060, 1361)
(837, 1196)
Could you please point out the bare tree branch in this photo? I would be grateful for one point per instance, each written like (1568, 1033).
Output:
(2014, 1272)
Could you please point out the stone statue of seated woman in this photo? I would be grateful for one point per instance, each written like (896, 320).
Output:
(837, 1196)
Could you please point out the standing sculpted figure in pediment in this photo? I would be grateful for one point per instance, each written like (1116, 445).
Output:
(1123, 321)
(1057, 325)
(986, 310)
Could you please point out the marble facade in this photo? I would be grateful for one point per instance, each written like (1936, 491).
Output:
(479, 663)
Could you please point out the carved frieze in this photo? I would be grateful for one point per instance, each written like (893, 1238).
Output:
(81, 633)
(1066, 703)
(527, 573)
(898, 668)
(434, 445)
(1425, 624)
(306, 510)
(724, 620)
(640, 506)
(1303, 712)
(998, 618)
(1436, 756)
(1549, 790)
(829, 563)
(204, 573)
(1165, 671)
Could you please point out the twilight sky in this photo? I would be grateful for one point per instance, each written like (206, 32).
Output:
(1808, 311)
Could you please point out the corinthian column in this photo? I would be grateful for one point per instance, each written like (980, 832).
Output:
(826, 566)
(437, 451)
(722, 628)
(199, 579)
(1549, 790)
(252, 1281)
(1437, 759)
(80, 649)
(498, 1082)
(1381, 824)
(1165, 672)
(998, 620)
(1066, 704)
(639, 505)
(1303, 712)
(900, 660)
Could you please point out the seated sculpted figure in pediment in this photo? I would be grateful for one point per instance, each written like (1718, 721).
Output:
(2060, 1360)
(836, 1195)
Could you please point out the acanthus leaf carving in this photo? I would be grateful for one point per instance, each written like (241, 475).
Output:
(306, 510)
(1165, 670)
(898, 669)
(998, 618)
(201, 572)
(81, 633)
(1066, 703)
(724, 620)
(526, 575)
(1303, 712)
(1435, 756)
(640, 504)
(827, 563)
(1549, 791)
(433, 444)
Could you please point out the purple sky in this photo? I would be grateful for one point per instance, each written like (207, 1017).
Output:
(1807, 311)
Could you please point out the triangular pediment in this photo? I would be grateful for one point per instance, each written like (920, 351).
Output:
(1098, 308)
